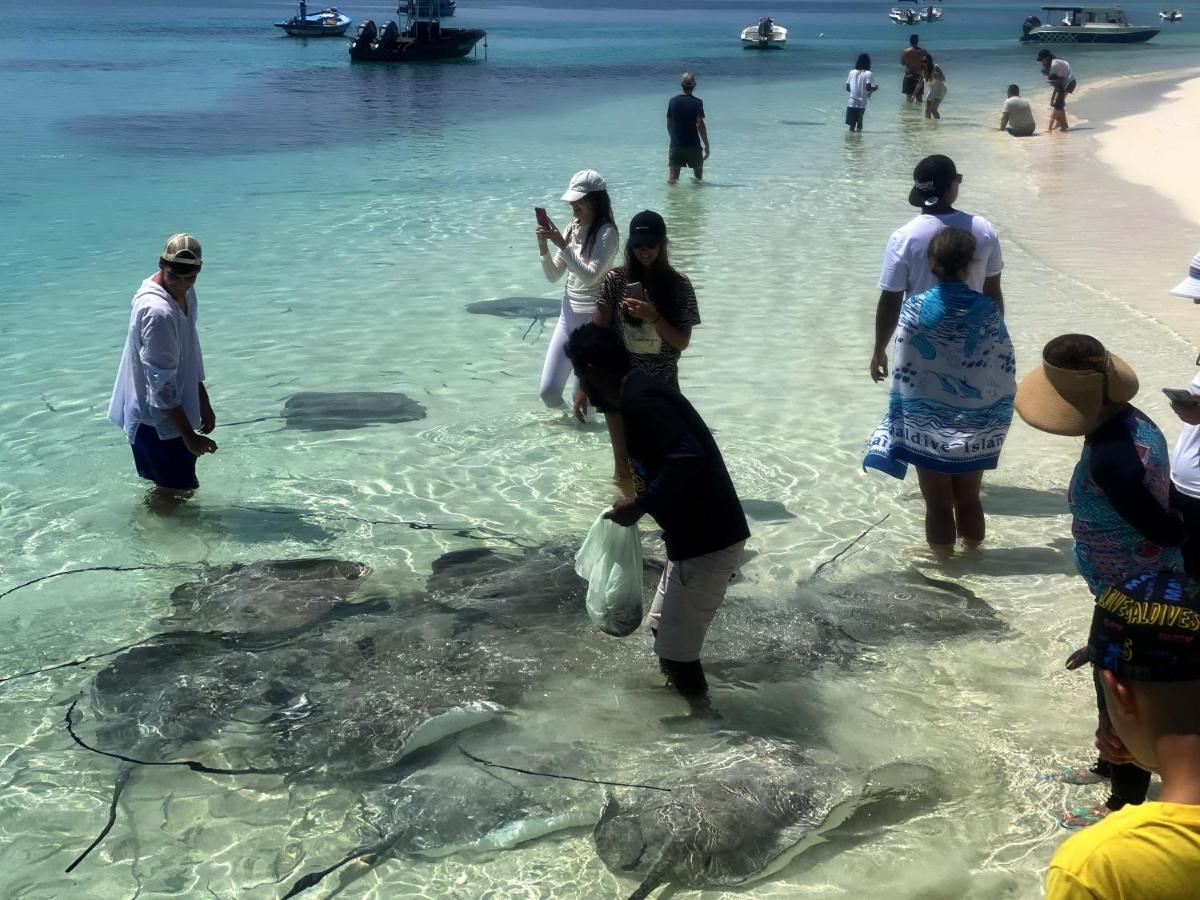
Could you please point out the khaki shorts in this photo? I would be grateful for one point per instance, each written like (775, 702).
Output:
(687, 158)
(689, 594)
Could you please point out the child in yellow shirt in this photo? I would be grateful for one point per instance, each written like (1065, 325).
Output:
(1145, 642)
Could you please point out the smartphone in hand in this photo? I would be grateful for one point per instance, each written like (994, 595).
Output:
(543, 220)
(1182, 397)
(634, 289)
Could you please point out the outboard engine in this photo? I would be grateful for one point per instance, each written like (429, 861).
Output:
(1031, 22)
(765, 28)
(389, 36)
(366, 34)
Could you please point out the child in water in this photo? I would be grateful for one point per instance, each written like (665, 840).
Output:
(937, 92)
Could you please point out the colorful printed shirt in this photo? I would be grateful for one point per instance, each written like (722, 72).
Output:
(1119, 500)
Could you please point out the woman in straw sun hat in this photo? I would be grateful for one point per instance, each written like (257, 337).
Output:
(1121, 518)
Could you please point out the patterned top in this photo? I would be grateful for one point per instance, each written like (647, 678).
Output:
(647, 350)
(1108, 548)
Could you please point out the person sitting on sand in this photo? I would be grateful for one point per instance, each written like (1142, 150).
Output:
(937, 93)
(1119, 497)
(654, 320)
(1185, 462)
(1017, 117)
(1144, 647)
(682, 482)
(950, 404)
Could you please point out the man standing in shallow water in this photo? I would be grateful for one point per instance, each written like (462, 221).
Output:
(914, 59)
(159, 399)
(685, 125)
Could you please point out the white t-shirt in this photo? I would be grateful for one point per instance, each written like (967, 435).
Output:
(1020, 115)
(584, 273)
(1185, 464)
(859, 80)
(161, 366)
(1061, 69)
(906, 268)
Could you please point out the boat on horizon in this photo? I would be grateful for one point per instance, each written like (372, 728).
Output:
(1086, 25)
(423, 39)
(905, 15)
(766, 35)
(1170, 15)
(329, 22)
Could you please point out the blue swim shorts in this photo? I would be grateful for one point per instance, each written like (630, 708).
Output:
(169, 464)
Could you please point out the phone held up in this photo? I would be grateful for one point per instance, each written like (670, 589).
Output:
(634, 289)
(1182, 397)
(543, 220)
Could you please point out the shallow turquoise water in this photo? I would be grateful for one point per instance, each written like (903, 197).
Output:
(348, 214)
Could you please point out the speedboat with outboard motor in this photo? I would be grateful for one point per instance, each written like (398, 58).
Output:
(765, 35)
(906, 15)
(328, 22)
(932, 14)
(423, 39)
(1170, 15)
(1086, 25)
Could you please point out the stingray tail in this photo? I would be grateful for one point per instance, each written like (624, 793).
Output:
(373, 852)
(657, 875)
(123, 774)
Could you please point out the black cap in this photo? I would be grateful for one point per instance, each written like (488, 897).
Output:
(1044, 54)
(647, 227)
(931, 179)
(1146, 629)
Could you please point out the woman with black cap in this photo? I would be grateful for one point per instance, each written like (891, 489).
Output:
(652, 307)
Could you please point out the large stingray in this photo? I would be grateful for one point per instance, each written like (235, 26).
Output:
(741, 816)
(271, 595)
(320, 411)
(517, 307)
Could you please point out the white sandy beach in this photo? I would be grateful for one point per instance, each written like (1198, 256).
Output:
(1159, 148)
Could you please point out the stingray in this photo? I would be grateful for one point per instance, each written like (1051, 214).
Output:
(456, 805)
(742, 816)
(265, 596)
(766, 510)
(319, 411)
(517, 307)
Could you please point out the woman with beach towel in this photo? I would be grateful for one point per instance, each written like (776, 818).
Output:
(950, 404)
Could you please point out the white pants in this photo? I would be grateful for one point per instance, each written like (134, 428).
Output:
(557, 368)
(689, 594)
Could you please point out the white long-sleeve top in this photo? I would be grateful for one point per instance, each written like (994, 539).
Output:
(584, 273)
(161, 367)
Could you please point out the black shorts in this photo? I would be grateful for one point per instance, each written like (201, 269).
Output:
(168, 463)
(854, 116)
(911, 80)
(687, 158)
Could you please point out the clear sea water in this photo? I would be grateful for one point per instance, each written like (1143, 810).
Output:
(348, 214)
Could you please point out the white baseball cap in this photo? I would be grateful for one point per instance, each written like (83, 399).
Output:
(1190, 286)
(584, 183)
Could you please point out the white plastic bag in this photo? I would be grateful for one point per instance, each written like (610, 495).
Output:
(611, 562)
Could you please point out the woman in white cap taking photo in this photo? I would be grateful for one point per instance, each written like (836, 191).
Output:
(1118, 497)
(584, 253)
(1185, 464)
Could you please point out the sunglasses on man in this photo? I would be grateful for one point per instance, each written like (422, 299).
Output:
(183, 270)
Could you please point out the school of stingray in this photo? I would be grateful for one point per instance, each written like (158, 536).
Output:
(299, 671)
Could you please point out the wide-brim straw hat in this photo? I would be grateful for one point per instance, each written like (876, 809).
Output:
(1071, 401)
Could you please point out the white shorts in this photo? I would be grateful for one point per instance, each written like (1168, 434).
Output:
(689, 594)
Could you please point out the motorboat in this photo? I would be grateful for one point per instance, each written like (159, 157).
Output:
(1085, 25)
(444, 7)
(906, 15)
(766, 35)
(329, 22)
(932, 14)
(1170, 15)
(422, 39)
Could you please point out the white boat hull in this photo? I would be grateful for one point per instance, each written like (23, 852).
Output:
(751, 37)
